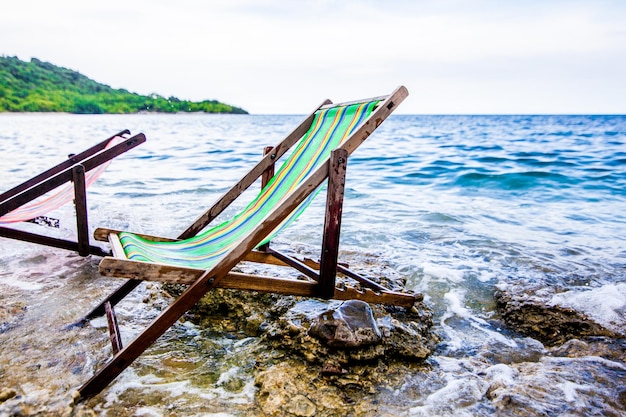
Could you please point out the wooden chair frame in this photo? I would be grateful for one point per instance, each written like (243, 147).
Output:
(73, 169)
(321, 276)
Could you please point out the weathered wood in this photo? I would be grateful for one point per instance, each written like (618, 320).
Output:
(49, 184)
(102, 234)
(297, 265)
(219, 273)
(114, 330)
(116, 268)
(48, 241)
(279, 150)
(80, 204)
(348, 103)
(332, 222)
(270, 259)
(263, 258)
(116, 246)
(376, 118)
(342, 268)
(113, 299)
(141, 271)
(71, 160)
(360, 279)
(388, 297)
(139, 344)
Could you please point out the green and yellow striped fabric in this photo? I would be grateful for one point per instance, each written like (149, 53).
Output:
(330, 127)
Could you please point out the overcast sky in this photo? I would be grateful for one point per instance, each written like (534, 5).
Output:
(279, 56)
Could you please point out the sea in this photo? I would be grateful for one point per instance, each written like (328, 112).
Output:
(461, 206)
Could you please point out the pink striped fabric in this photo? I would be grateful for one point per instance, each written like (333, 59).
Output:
(57, 198)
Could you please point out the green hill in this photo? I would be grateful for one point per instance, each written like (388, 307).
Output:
(38, 86)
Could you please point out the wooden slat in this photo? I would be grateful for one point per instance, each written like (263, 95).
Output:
(113, 299)
(74, 159)
(65, 176)
(348, 103)
(279, 150)
(359, 278)
(48, 241)
(120, 268)
(296, 264)
(101, 234)
(80, 203)
(332, 222)
(386, 297)
(342, 268)
(116, 246)
(263, 258)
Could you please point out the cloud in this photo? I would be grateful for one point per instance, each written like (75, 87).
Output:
(481, 56)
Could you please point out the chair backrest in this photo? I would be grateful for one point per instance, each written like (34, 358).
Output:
(331, 125)
(61, 196)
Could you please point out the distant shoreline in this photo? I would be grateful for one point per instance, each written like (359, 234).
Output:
(42, 87)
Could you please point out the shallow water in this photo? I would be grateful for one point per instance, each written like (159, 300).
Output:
(460, 205)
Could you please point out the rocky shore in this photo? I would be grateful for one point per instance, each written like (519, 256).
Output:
(316, 357)
(266, 355)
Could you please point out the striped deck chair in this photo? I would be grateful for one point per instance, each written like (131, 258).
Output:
(203, 257)
(61, 184)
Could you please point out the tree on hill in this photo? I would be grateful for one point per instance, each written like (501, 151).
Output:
(39, 86)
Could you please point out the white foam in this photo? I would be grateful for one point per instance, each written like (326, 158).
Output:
(605, 305)
(227, 376)
(446, 400)
(455, 298)
(570, 392)
(129, 379)
(22, 285)
(502, 374)
(442, 272)
(148, 411)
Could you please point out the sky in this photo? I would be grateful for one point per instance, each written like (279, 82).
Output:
(285, 57)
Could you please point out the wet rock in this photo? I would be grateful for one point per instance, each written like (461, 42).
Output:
(10, 315)
(528, 311)
(349, 326)
(6, 394)
(301, 406)
(310, 330)
(316, 357)
(293, 387)
(235, 311)
(610, 349)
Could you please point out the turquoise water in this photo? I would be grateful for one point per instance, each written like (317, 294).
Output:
(460, 205)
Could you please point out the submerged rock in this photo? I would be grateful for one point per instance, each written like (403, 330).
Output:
(529, 311)
(349, 326)
(310, 330)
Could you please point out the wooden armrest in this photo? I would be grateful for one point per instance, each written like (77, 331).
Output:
(102, 234)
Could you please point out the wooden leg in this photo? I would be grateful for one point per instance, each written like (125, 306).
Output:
(332, 222)
(113, 298)
(114, 330)
(137, 346)
(80, 201)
